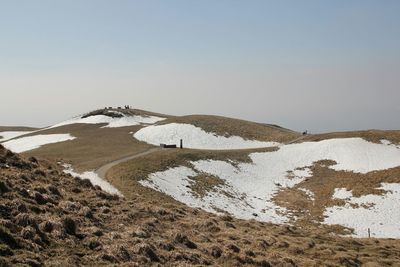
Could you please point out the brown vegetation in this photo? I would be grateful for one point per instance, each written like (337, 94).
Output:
(16, 128)
(52, 219)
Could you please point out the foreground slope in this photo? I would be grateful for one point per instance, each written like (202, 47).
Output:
(50, 218)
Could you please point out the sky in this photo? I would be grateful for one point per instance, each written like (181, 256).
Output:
(303, 64)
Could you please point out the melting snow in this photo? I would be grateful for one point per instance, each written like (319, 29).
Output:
(342, 193)
(112, 122)
(32, 142)
(250, 187)
(380, 213)
(94, 179)
(194, 137)
(388, 143)
(7, 135)
(176, 182)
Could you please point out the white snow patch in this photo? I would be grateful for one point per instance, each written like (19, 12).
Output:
(112, 122)
(253, 185)
(342, 193)
(32, 142)
(194, 137)
(94, 179)
(381, 215)
(7, 135)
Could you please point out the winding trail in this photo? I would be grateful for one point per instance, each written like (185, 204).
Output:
(297, 139)
(102, 171)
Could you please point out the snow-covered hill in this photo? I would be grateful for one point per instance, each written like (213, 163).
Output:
(246, 189)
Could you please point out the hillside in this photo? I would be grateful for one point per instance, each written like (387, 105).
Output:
(52, 219)
(102, 136)
(343, 183)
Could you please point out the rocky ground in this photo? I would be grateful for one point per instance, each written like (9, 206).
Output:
(49, 218)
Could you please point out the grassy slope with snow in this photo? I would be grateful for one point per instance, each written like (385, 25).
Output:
(248, 188)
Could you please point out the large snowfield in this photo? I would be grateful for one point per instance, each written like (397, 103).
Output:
(194, 137)
(32, 142)
(112, 122)
(251, 186)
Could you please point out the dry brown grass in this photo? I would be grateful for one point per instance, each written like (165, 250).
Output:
(16, 128)
(204, 183)
(93, 147)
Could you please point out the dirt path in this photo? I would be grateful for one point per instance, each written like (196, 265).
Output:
(102, 171)
(297, 139)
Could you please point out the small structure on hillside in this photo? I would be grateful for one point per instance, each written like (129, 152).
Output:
(172, 146)
(167, 146)
(127, 107)
(305, 132)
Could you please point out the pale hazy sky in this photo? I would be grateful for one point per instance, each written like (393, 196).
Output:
(317, 65)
